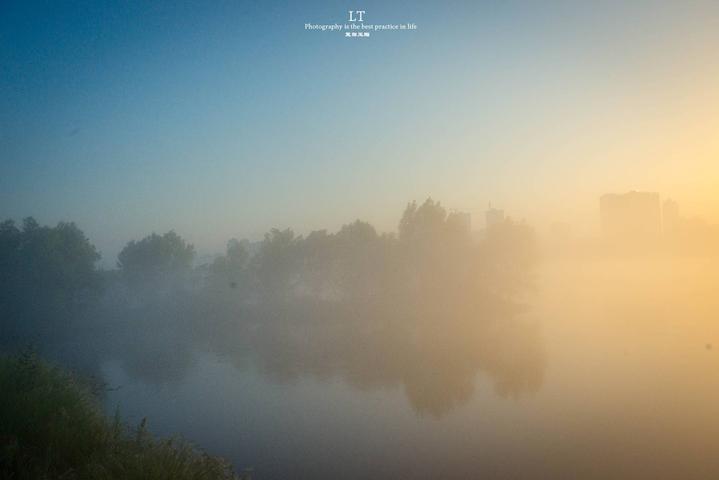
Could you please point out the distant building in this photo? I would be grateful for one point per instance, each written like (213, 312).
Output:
(493, 216)
(670, 216)
(633, 216)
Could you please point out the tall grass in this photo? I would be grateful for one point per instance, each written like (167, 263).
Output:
(51, 427)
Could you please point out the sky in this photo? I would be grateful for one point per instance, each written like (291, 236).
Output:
(225, 119)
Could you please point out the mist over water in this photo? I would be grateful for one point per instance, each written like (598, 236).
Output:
(287, 359)
(227, 225)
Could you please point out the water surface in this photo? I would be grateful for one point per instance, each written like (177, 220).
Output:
(609, 369)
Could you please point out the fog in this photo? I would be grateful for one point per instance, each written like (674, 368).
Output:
(482, 247)
(594, 342)
(426, 307)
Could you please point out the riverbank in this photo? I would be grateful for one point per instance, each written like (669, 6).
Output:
(51, 426)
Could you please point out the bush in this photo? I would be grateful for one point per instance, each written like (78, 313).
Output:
(51, 426)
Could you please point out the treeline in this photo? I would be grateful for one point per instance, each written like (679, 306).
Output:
(44, 270)
(432, 255)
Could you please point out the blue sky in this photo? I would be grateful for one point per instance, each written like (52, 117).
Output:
(222, 119)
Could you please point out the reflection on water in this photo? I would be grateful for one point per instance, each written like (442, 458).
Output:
(609, 371)
(432, 355)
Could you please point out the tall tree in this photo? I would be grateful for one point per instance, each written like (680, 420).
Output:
(45, 271)
(277, 265)
(156, 263)
(435, 249)
(228, 273)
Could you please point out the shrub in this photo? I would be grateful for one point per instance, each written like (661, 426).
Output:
(51, 426)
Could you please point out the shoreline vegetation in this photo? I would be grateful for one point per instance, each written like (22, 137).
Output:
(376, 308)
(52, 427)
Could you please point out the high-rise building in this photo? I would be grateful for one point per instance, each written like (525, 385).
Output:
(631, 216)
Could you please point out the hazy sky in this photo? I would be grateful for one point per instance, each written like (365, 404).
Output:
(222, 119)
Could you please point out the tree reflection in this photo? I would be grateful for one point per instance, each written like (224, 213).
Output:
(434, 356)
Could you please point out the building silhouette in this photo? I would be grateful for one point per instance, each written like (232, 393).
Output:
(493, 216)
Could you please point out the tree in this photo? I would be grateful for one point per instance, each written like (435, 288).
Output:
(45, 271)
(157, 262)
(434, 246)
(359, 258)
(423, 222)
(277, 265)
(318, 264)
(229, 272)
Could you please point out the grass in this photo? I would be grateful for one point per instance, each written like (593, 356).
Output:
(52, 427)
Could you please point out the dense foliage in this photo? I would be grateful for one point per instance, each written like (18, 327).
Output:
(44, 270)
(48, 274)
(395, 293)
(434, 255)
(156, 261)
(51, 427)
